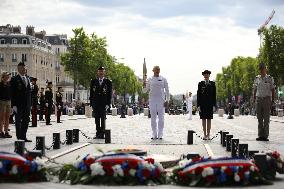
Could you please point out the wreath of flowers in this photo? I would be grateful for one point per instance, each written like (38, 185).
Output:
(278, 161)
(15, 168)
(113, 169)
(217, 172)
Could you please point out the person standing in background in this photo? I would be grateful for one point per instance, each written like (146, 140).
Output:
(48, 102)
(34, 94)
(206, 102)
(5, 105)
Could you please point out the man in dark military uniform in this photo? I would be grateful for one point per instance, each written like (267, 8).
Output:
(41, 104)
(100, 100)
(48, 102)
(59, 103)
(34, 94)
(206, 102)
(21, 102)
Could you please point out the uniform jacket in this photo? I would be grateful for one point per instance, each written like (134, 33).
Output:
(100, 95)
(59, 99)
(206, 94)
(21, 94)
(34, 94)
(48, 96)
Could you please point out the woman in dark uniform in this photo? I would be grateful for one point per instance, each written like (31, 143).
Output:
(206, 101)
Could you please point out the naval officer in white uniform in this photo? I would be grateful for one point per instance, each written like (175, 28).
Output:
(158, 89)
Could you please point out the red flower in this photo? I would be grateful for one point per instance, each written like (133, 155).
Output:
(228, 171)
(133, 164)
(89, 161)
(146, 173)
(150, 160)
(126, 172)
(156, 173)
(109, 170)
(198, 170)
(30, 158)
(245, 169)
(275, 154)
(181, 175)
(26, 168)
(241, 175)
(210, 178)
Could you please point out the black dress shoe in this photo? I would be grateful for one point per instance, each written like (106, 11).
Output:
(265, 139)
(48, 124)
(27, 140)
(59, 122)
(160, 138)
(259, 139)
(153, 138)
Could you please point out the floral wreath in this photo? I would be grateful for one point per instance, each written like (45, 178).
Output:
(15, 168)
(113, 169)
(217, 172)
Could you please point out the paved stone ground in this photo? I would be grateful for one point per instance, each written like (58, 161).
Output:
(135, 132)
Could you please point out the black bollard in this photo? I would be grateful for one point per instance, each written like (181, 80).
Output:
(123, 109)
(69, 137)
(234, 147)
(56, 141)
(20, 147)
(221, 136)
(40, 144)
(224, 133)
(75, 135)
(190, 136)
(107, 136)
(243, 150)
(228, 142)
(192, 155)
(35, 153)
(149, 114)
(251, 153)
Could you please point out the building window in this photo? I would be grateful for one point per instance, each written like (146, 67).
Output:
(14, 41)
(57, 78)
(14, 57)
(24, 57)
(2, 41)
(25, 41)
(13, 72)
(1, 57)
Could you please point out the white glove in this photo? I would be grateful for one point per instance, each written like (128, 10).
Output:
(46, 104)
(198, 108)
(214, 108)
(15, 109)
(107, 106)
(59, 106)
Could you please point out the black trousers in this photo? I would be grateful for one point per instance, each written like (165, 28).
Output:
(41, 112)
(100, 120)
(48, 114)
(22, 122)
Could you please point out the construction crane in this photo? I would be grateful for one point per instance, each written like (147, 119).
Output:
(261, 28)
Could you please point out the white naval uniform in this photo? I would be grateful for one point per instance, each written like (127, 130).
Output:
(189, 107)
(158, 94)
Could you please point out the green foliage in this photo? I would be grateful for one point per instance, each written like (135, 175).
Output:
(87, 53)
(272, 52)
(237, 78)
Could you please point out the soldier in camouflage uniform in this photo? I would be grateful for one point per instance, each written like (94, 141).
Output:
(264, 98)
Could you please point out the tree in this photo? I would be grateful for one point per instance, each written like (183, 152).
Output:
(272, 52)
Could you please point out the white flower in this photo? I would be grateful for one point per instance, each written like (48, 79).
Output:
(184, 162)
(14, 170)
(1, 165)
(146, 165)
(237, 178)
(252, 168)
(279, 165)
(159, 166)
(210, 170)
(117, 171)
(204, 173)
(268, 158)
(97, 169)
(40, 163)
(132, 172)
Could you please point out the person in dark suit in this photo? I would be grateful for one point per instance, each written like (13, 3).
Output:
(34, 94)
(21, 102)
(59, 103)
(206, 102)
(48, 102)
(100, 100)
(41, 104)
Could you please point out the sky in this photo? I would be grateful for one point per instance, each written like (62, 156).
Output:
(183, 37)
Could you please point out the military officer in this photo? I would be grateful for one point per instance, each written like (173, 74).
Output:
(41, 104)
(264, 97)
(48, 102)
(206, 102)
(158, 99)
(189, 105)
(59, 103)
(100, 100)
(34, 94)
